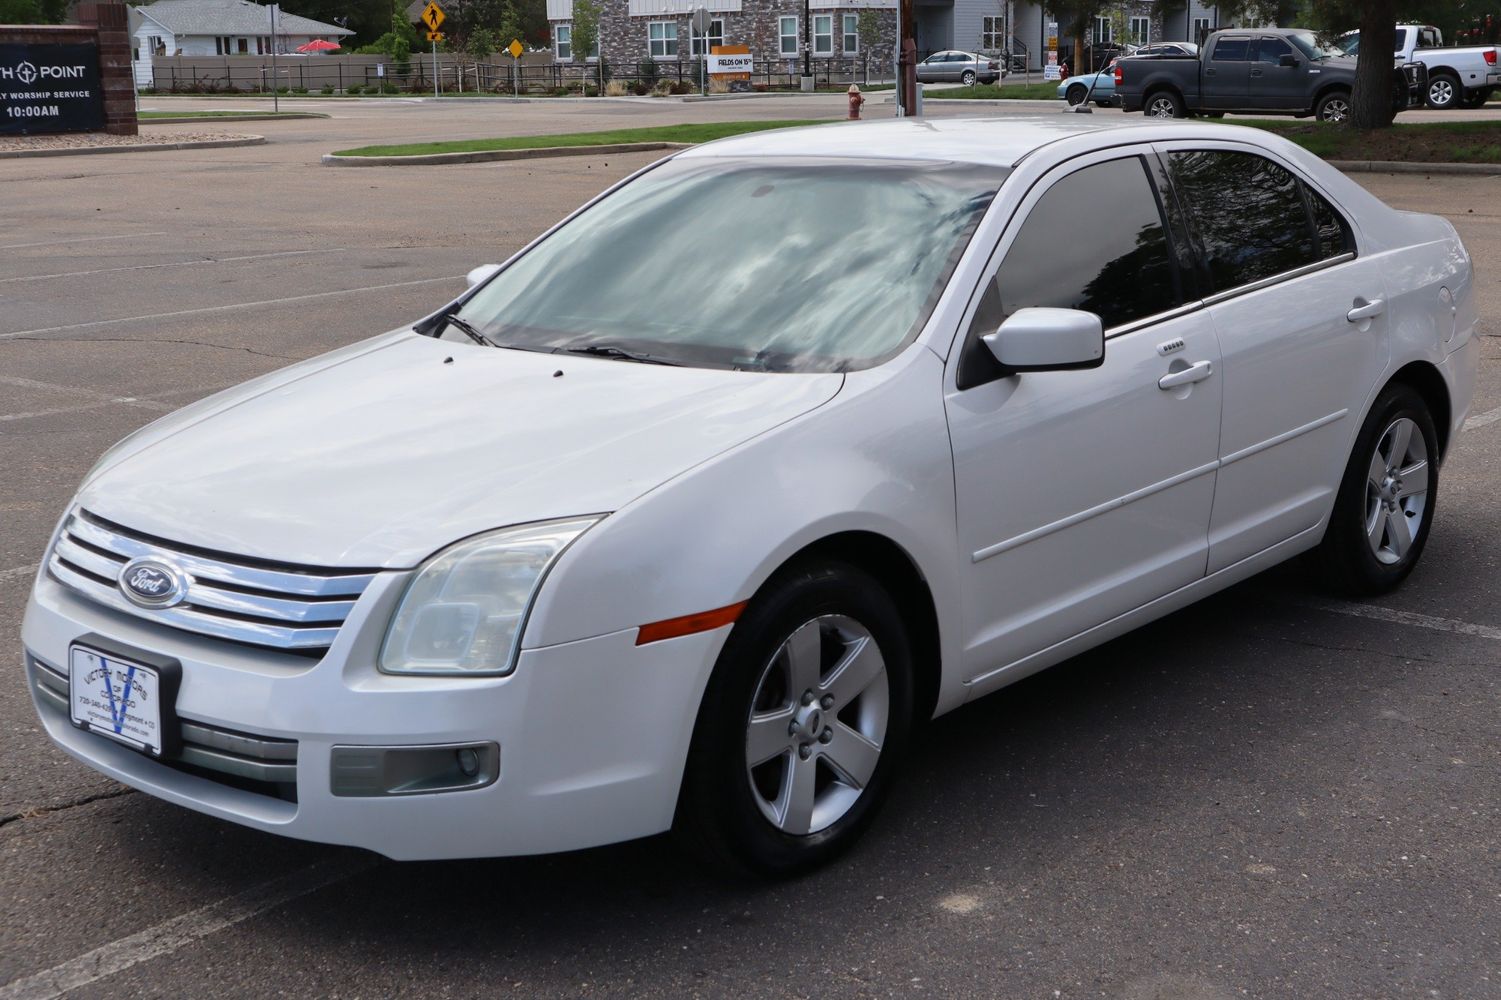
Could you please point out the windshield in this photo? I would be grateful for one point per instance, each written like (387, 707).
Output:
(773, 264)
(1350, 44)
(1308, 43)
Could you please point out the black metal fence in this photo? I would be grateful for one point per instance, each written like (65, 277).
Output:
(499, 76)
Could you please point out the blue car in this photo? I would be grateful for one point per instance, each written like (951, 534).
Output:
(1076, 88)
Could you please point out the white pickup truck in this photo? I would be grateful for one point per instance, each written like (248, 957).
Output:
(1458, 77)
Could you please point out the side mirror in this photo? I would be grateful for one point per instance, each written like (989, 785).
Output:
(1048, 340)
(1287, 59)
(481, 273)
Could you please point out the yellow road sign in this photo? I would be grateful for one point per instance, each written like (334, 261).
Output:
(515, 49)
(432, 15)
(435, 36)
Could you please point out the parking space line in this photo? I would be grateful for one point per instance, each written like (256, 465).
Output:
(180, 931)
(227, 308)
(175, 263)
(1394, 617)
(77, 239)
(1481, 419)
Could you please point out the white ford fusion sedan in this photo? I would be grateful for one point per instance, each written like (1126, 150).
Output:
(687, 514)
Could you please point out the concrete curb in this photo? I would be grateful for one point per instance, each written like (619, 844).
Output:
(16, 154)
(1408, 167)
(248, 117)
(490, 155)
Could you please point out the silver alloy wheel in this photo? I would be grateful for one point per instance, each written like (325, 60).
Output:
(1336, 109)
(968, 78)
(1396, 491)
(1161, 107)
(1441, 93)
(817, 724)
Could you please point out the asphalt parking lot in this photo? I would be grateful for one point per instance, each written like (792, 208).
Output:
(1272, 794)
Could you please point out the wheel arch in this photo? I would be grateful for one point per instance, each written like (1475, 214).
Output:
(1157, 88)
(1424, 379)
(1329, 88)
(1446, 71)
(894, 567)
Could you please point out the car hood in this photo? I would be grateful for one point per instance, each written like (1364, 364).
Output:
(391, 452)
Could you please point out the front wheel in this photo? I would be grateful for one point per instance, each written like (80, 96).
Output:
(1164, 104)
(1075, 95)
(1385, 503)
(1444, 92)
(1333, 107)
(806, 715)
(968, 79)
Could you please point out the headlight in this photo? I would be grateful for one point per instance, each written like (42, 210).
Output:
(464, 610)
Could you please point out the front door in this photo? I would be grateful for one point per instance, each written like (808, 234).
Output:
(1082, 495)
(1274, 85)
(1303, 329)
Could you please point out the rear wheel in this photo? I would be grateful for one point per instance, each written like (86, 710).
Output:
(1075, 95)
(1386, 500)
(1476, 99)
(1333, 107)
(1444, 92)
(806, 715)
(1164, 104)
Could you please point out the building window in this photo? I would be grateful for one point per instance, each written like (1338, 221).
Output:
(823, 35)
(787, 33)
(716, 37)
(242, 46)
(993, 33)
(562, 42)
(1102, 30)
(662, 37)
(851, 34)
(1141, 30)
(1201, 28)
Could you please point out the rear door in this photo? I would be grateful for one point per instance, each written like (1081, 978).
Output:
(1274, 85)
(1301, 319)
(1227, 74)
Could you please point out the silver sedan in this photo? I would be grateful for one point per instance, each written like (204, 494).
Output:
(963, 67)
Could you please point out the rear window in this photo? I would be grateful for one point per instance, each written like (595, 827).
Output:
(1254, 219)
(1231, 49)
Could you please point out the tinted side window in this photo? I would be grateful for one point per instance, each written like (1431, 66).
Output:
(1271, 50)
(1231, 49)
(1330, 228)
(1095, 241)
(1248, 212)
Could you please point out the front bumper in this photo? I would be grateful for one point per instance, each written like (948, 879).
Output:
(593, 734)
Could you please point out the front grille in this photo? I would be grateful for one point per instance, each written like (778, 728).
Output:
(295, 609)
(263, 764)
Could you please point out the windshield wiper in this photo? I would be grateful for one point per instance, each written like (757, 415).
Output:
(618, 353)
(468, 329)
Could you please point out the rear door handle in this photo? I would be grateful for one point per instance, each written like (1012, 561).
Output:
(1366, 311)
(1196, 372)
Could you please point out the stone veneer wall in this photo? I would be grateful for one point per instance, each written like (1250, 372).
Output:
(624, 42)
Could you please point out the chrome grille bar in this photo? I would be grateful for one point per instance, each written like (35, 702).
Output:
(288, 609)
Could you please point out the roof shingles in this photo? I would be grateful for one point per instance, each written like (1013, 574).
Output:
(232, 17)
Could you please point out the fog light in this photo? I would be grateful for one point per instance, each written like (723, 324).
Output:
(364, 772)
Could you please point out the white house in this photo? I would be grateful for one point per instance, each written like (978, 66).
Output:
(216, 28)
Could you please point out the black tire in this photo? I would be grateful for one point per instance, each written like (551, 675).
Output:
(1163, 104)
(1214, 114)
(1444, 92)
(1475, 99)
(719, 813)
(1346, 558)
(1333, 107)
(1075, 95)
(967, 78)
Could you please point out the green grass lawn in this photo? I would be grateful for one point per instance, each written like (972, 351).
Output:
(992, 92)
(666, 133)
(1414, 142)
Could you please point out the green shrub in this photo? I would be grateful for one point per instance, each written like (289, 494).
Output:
(683, 87)
(299, 90)
(328, 88)
(354, 88)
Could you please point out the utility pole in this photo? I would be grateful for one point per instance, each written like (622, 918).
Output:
(275, 91)
(807, 45)
(906, 34)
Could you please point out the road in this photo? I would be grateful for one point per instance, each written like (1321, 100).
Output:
(1270, 794)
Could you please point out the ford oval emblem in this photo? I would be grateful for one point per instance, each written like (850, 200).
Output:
(151, 583)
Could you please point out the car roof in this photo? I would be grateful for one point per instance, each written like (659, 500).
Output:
(992, 141)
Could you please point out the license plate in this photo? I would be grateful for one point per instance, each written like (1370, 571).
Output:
(117, 698)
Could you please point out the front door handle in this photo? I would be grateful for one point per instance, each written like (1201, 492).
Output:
(1196, 372)
(1366, 311)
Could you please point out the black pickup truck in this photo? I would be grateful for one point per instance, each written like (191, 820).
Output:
(1279, 71)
